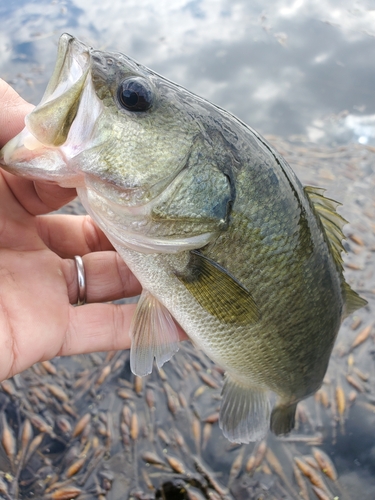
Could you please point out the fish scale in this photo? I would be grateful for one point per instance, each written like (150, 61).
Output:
(211, 220)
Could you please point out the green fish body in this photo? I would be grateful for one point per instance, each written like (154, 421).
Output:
(211, 220)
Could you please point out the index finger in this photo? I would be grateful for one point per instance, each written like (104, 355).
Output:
(13, 112)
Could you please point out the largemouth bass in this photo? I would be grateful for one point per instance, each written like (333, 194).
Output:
(209, 217)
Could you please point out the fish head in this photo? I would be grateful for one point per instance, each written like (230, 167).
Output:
(130, 141)
(43, 149)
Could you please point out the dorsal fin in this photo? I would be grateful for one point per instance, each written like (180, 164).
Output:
(352, 300)
(332, 222)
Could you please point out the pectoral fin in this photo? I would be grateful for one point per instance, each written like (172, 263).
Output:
(153, 334)
(218, 292)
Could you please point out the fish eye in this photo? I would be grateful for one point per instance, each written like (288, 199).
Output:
(134, 94)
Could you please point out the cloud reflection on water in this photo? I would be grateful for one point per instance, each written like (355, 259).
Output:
(278, 68)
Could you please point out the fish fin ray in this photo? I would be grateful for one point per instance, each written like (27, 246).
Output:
(332, 222)
(153, 334)
(218, 292)
(244, 412)
(283, 418)
(352, 300)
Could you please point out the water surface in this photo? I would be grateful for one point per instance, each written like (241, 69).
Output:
(302, 73)
(285, 68)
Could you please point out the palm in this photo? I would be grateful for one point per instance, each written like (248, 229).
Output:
(39, 282)
(38, 279)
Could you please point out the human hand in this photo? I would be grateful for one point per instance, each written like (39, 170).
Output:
(38, 277)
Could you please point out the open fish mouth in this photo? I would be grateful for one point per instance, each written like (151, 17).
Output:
(60, 126)
(51, 120)
(73, 61)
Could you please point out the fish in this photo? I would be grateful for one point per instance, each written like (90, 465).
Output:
(212, 221)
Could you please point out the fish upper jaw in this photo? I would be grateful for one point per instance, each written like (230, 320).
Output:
(60, 127)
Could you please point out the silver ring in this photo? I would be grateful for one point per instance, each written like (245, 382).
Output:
(81, 280)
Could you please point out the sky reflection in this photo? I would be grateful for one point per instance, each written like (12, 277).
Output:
(290, 68)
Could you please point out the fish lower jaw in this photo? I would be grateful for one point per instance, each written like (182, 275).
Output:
(25, 156)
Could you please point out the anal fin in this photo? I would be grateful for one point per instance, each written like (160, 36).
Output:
(283, 418)
(153, 334)
(244, 412)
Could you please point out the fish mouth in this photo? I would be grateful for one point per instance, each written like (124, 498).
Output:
(56, 129)
(51, 120)
(72, 62)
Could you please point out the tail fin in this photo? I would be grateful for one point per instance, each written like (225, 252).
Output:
(283, 419)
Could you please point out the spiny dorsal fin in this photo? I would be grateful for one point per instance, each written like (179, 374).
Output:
(332, 222)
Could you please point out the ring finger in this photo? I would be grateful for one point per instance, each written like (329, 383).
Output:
(107, 278)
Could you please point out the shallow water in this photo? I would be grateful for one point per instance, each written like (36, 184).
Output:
(288, 70)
